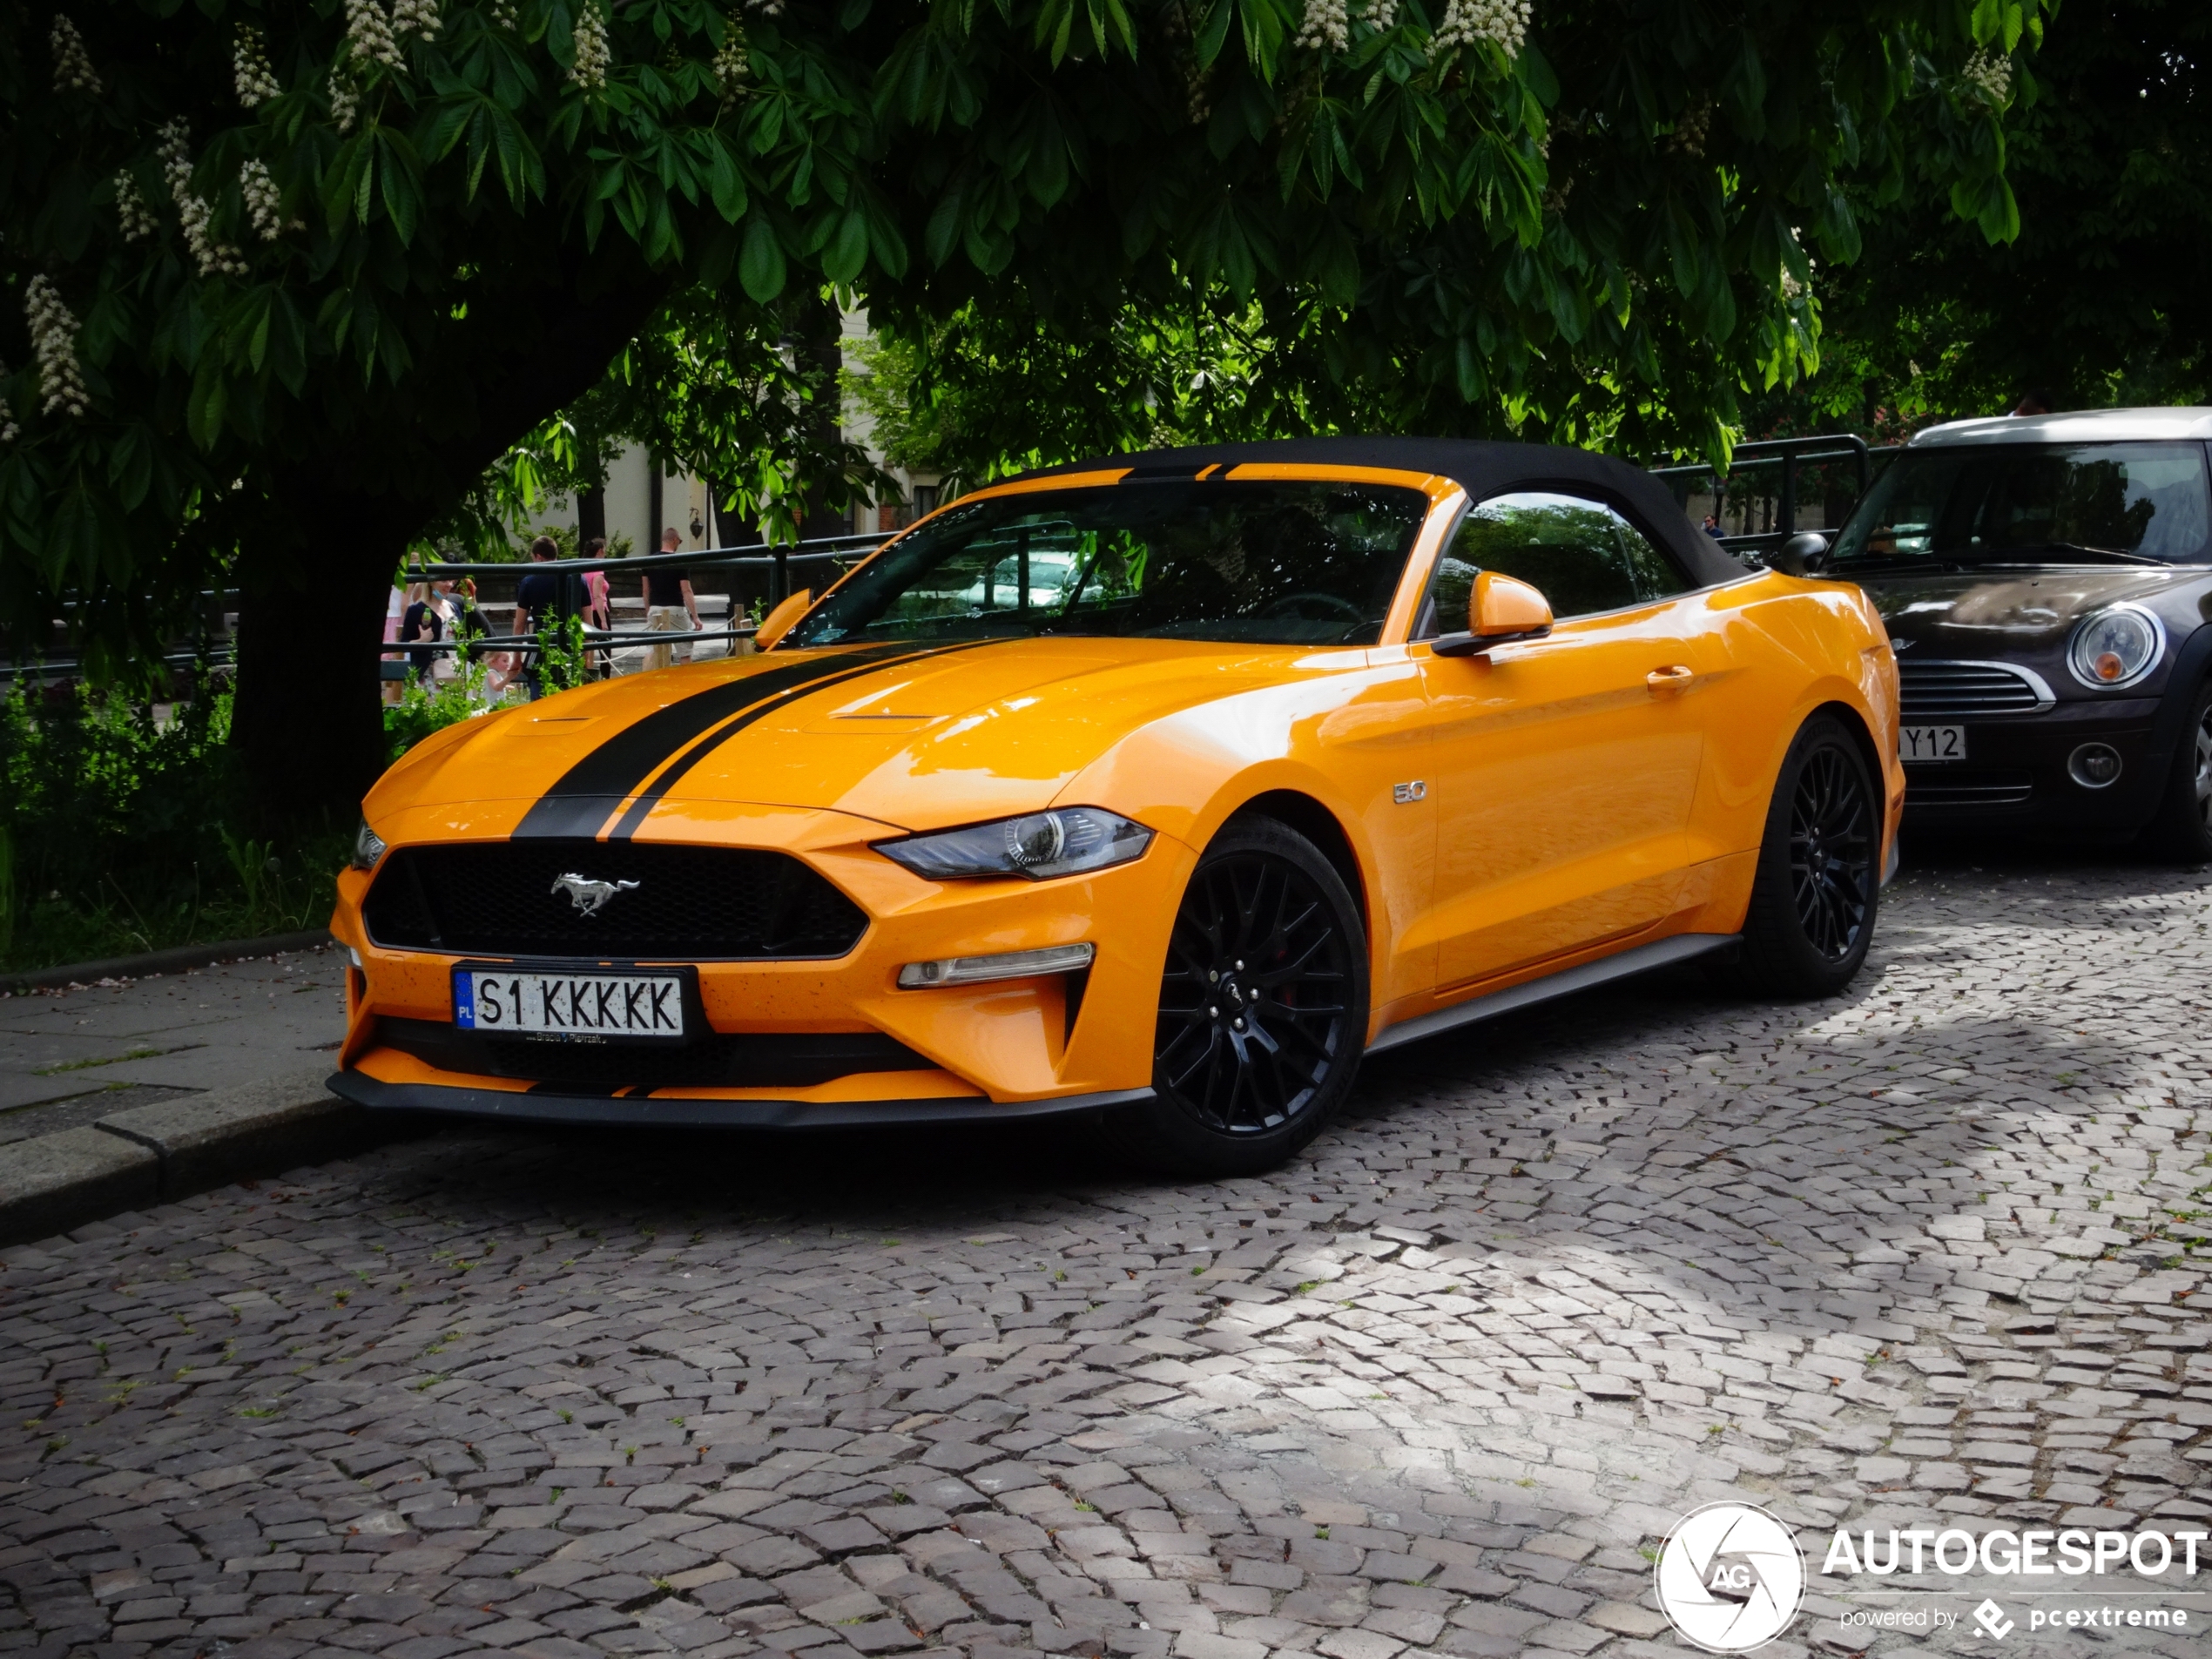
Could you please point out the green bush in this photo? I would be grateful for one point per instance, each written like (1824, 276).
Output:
(122, 832)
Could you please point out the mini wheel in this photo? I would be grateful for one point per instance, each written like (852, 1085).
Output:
(2182, 827)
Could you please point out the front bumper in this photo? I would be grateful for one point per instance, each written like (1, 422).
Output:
(1053, 1044)
(2015, 776)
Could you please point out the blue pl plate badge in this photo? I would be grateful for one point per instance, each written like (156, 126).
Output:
(464, 1000)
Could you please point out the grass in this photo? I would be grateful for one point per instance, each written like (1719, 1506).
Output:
(105, 1060)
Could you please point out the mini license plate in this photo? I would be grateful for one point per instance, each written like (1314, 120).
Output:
(1932, 743)
(576, 1007)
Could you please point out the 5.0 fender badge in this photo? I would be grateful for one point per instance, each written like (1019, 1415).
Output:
(587, 894)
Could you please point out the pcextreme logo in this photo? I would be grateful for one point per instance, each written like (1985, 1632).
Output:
(1730, 1577)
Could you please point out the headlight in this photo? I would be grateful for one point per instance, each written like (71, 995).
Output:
(1065, 842)
(368, 846)
(2116, 647)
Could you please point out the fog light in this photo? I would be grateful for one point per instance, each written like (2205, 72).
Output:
(2094, 765)
(1014, 964)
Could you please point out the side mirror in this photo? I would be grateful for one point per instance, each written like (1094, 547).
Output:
(776, 622)
(1802, 555)
(1501, 609)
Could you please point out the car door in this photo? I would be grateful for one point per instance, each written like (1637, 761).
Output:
(1566, 767)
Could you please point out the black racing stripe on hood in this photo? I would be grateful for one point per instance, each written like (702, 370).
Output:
(626, 826)
(583, 797)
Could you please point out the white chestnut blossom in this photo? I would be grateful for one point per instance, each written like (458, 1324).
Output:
(1465, 22)
(593, 54)
(368, 35)
(131, 208)
(767, 7)
(1383, 14)
(1327, 26)
(265, 202)
(506, 15)
(213, 258)
(419, 17)
(8, 430)
(732, 63)
(250, 72)
(1992, 76)
(1694, 128)
(73, 70)
(345, 100)
(53, 337)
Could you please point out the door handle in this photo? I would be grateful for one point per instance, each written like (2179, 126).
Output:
(1675, 678)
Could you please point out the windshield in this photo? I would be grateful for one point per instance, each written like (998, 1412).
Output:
(1299, 562)
(2117, 502)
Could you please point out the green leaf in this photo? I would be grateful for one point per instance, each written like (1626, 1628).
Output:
(760, 266)
(727, 183)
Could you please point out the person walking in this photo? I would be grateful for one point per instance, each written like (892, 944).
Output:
(670, 605)
(599, 609)
(425, 619)
(537, 597)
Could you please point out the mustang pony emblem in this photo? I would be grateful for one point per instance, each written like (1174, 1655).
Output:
(587, 894)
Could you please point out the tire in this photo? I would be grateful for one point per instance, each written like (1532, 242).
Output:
(2181, 828)
(1263, 1011)
(1817, 890)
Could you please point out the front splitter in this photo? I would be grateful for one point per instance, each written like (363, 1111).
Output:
(648, 1112)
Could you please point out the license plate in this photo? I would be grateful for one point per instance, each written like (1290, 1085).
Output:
(580, 1007)
(1932, 743)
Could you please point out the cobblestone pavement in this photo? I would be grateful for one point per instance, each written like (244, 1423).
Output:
(1924, 1254)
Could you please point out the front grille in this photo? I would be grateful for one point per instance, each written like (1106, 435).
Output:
(747, 1060)
(690, 903)
(1969, 789)
(1962, 691)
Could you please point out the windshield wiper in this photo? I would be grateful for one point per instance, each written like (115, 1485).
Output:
(2002, 557)
(1908, 562)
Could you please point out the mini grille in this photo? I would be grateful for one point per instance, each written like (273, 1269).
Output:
(763, 1060)
(1955, 690)
(690, 904)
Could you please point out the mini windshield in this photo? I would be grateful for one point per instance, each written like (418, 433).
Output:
(1298, 561)
(2122, 504)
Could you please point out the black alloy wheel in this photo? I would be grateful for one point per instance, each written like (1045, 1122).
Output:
(1832, 840)
(1817, 889)
(2182, 827)
(1263, 1008)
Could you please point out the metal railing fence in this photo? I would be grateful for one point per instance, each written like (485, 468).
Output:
(1790, 453)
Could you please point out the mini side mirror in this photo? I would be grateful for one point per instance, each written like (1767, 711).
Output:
(1802, 555)
(1499, 609)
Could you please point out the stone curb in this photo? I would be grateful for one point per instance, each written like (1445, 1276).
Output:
(175, 960)
(52, 1183)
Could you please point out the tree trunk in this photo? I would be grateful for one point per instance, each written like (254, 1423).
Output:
(590, 517)
(309, 716)
(819, 352)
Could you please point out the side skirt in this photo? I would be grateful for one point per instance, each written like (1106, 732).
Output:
(1683, 947)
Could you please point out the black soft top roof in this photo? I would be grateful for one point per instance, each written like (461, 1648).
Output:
(1482, 469)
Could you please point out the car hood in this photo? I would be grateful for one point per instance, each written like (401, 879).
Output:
(2012, 609)
(914, 737)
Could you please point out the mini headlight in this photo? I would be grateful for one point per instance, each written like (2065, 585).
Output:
(1065, 842)
(2116, 647)
(368, 846)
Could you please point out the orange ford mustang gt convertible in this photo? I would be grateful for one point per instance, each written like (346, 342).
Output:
(1159, 789)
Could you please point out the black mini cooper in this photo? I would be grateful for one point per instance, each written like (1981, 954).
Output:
(2047, 583)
